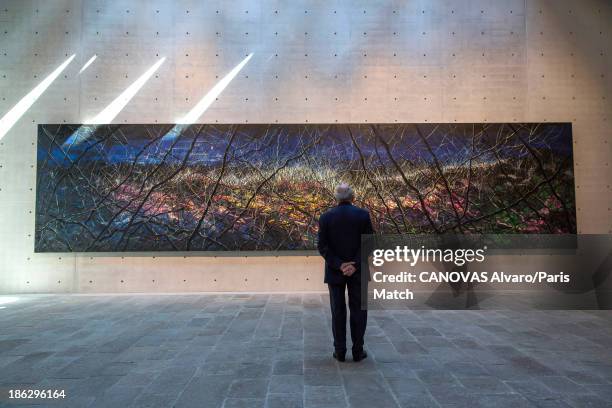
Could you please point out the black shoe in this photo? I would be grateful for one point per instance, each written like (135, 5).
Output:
(359, 355)
(340, 356)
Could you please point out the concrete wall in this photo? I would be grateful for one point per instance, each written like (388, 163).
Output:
(315, 61)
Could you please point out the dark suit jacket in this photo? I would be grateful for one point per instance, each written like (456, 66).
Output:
(340, 230)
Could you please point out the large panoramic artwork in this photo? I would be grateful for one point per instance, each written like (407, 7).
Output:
(244, 187)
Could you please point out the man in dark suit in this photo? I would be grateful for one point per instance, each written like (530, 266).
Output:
(340, 230)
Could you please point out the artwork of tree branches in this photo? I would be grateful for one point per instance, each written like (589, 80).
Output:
(234, 187)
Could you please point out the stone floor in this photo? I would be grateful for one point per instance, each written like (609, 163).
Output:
(275, 351)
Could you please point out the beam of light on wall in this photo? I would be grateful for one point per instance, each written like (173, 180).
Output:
(8, 299)
(112, 110)
(197, 111)
(88, 63)
(12, 116)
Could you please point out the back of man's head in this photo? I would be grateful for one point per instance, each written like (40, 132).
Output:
(344, 193)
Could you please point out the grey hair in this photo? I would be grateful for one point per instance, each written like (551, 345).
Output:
(344, 192)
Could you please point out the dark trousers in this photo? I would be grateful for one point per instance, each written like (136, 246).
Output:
(358, 319)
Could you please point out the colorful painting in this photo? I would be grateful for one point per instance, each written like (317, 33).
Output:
(262, 187)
